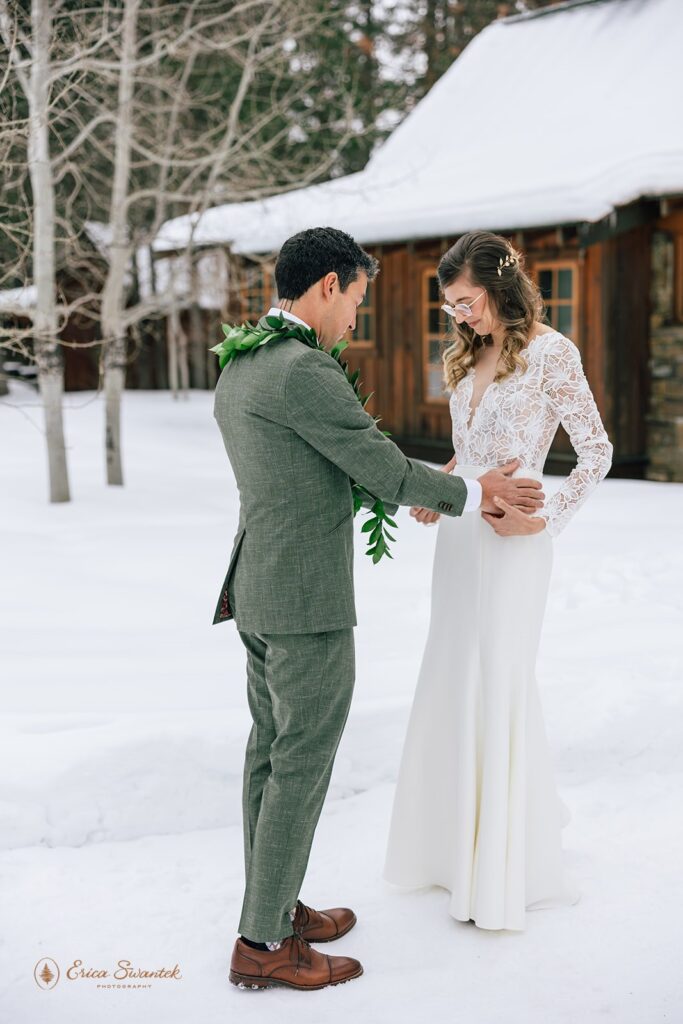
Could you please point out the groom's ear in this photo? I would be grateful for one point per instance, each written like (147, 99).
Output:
(330, 284)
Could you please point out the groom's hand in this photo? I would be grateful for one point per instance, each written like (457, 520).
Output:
(522, 493)
(425, 515)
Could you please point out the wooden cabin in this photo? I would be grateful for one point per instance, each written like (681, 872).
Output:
(552, 128)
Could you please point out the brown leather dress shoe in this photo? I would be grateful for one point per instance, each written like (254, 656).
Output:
(295, 964)
(322, 925)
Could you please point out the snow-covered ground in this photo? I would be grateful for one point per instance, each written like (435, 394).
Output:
(125, 717)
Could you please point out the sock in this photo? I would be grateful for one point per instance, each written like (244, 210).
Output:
(267, 946)
(254, 945)
(271, 946)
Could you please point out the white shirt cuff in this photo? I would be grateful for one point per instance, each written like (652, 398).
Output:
(473, 500)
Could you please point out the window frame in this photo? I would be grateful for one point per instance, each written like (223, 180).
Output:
(265, 291)
(368, 307)
(554, 266)
(426, 335)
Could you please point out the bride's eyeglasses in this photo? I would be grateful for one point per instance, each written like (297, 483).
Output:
(461, 311)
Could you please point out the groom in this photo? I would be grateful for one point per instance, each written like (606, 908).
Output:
(295, 434)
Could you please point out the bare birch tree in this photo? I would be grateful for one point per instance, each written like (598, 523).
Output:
(153, 110)
(30, 60)
(189, 146)
(114, 293)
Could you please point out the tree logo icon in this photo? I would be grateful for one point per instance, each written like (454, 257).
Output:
(46, 973)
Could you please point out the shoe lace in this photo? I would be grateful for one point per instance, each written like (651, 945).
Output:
(302, 946)
(302, 912)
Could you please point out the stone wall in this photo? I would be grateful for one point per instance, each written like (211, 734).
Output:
(665, 418)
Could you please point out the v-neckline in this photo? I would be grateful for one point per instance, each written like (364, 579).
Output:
(472, 372)
(473, 412)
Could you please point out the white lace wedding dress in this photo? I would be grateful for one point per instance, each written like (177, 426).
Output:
(476, 810)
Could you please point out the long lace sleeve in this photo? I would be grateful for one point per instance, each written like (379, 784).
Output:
(566, 388)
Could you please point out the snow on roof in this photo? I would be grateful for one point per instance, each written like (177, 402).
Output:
(207, 284)
(554, 117)
(17, 300)
(100, 234)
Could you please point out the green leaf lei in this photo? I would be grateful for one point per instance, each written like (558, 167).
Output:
(246, 337)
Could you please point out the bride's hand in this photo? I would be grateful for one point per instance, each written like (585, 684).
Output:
(511, 521)
(424, 515)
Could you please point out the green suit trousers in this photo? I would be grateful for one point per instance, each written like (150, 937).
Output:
(299, 688)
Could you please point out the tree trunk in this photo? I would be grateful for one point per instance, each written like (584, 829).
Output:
(160, 355)
(114, 383)
(197, 360)
(197, 347)
(183, 365)
(113, 296)
(172, 339)
(47, 349)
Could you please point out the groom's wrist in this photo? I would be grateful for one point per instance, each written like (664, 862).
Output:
(474, 495)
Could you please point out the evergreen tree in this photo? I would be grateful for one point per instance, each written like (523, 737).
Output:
(423, 39)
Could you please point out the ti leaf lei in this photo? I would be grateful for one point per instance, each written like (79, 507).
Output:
(246, 337)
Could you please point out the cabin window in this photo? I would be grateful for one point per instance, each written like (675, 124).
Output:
(558, 282)
(257, 290)
(364, 334)
(433, 334)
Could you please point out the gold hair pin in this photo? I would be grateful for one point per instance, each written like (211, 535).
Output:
(509, 261)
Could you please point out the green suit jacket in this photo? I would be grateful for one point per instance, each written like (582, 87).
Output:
(295, 434)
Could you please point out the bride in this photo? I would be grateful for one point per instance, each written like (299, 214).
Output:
(476, 810)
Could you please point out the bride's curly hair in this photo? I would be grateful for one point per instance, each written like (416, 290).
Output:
(493, 264)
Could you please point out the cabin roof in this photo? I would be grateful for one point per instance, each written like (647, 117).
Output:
(553, 117)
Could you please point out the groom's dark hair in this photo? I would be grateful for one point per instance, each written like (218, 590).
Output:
(309, 255)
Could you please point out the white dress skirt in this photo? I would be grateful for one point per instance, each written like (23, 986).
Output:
(476, 810)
